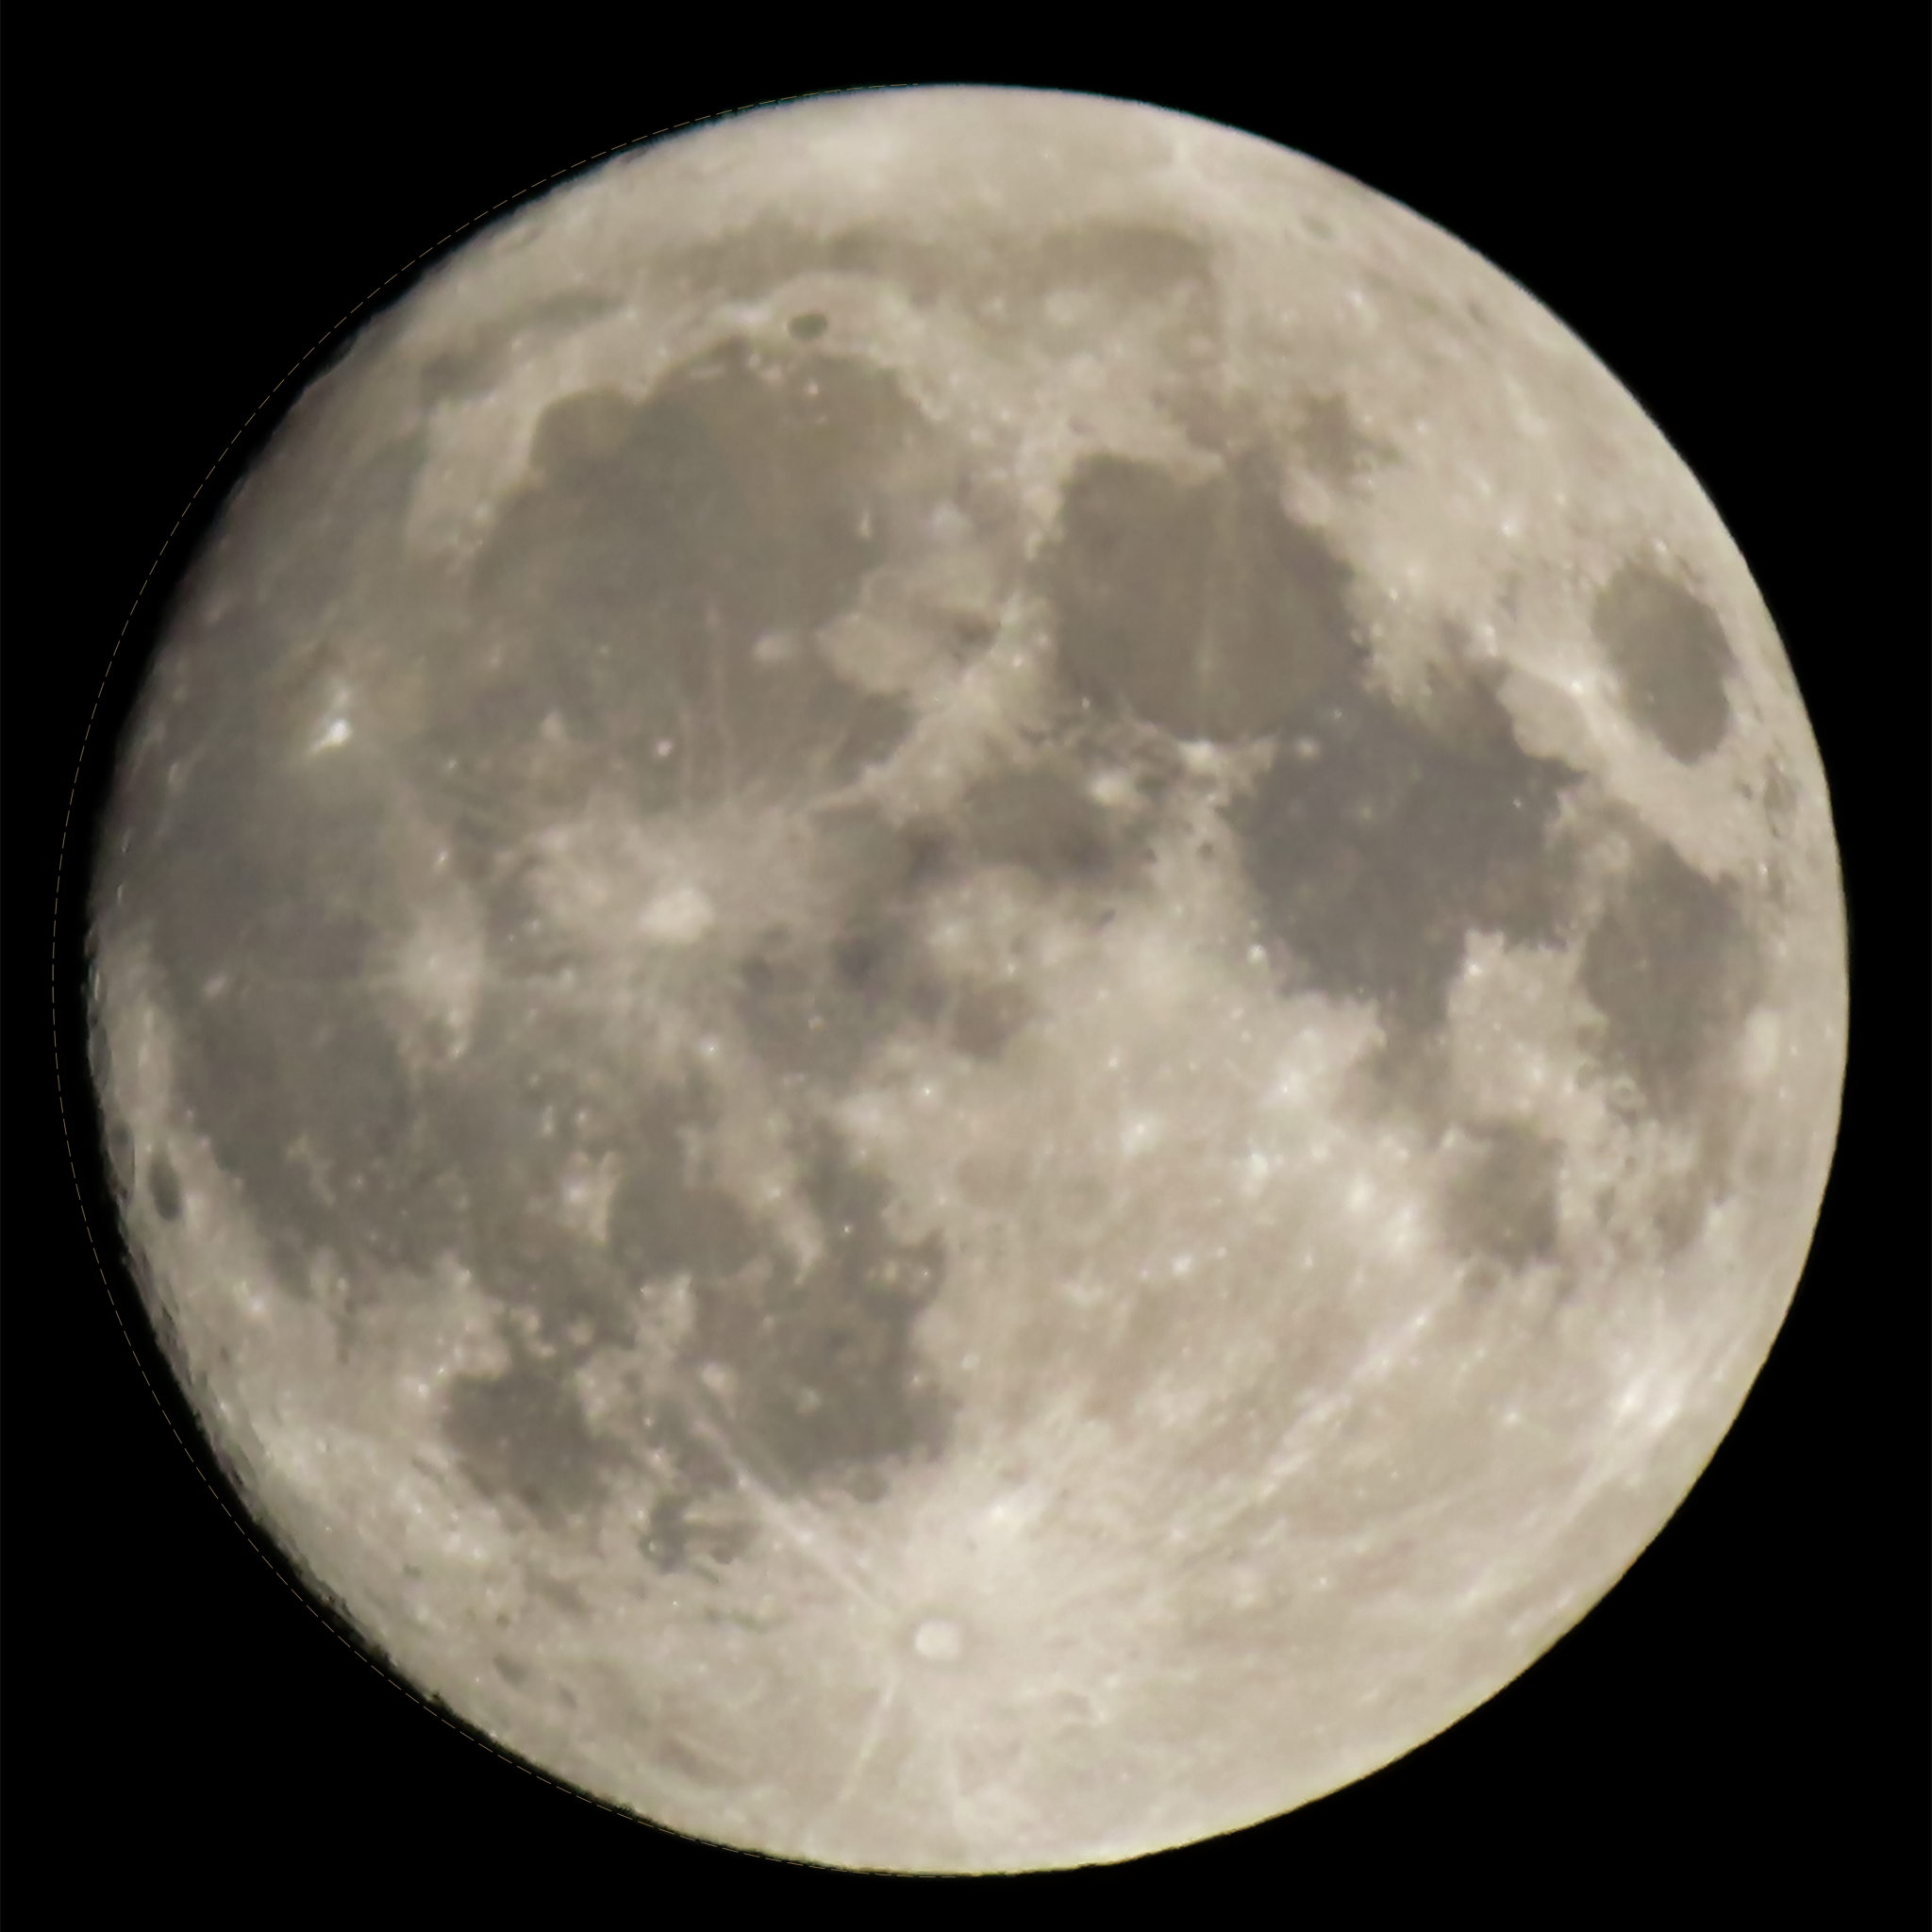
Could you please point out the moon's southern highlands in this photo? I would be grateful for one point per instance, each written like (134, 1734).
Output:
(970, 981)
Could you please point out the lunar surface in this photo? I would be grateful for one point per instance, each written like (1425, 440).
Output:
(970, 981)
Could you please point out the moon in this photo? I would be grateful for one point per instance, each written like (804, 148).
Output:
(972, 981)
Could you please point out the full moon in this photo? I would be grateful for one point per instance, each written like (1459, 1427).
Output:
(970, 981)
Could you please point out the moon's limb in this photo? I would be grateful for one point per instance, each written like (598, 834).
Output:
(978, 978)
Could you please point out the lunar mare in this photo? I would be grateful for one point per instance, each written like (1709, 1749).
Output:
(971, 980)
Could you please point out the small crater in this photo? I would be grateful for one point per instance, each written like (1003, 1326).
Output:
(806, 328)
(985, 1018)
(164, 1188)
(939, 1641)
(514, 1674)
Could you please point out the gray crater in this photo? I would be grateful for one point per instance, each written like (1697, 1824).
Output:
(1669, 655)
(164, 1188)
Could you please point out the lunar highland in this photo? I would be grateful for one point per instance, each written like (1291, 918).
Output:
(970, 981)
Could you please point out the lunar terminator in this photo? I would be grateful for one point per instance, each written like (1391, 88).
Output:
(978, 978)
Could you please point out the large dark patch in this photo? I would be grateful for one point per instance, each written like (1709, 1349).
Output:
(522, 1434)
(268, 896)
(1673, 969)
(1040, 820)
(623, 592)
(666, 1220)
(805, 1376)
(1199, 607)
(1502, 1203)
(815, 1006)
(825, 1381)
(625, 588)
(813, 1011)
(1669, 655)
(260, 874)
(1376, 844)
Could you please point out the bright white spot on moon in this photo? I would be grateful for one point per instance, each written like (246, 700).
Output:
(775, 647)
(939, 1640)
(677, 917)
(1761, 1045)
(1049, 902)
